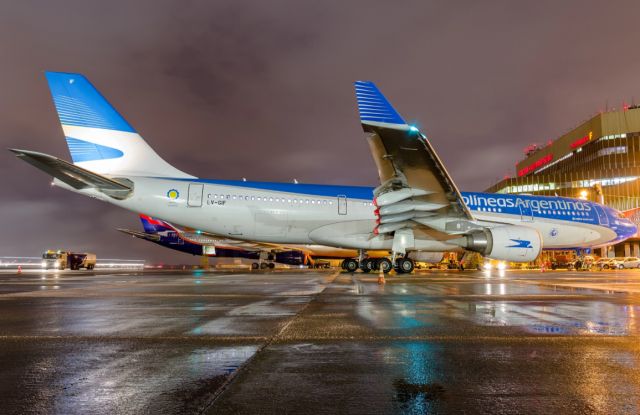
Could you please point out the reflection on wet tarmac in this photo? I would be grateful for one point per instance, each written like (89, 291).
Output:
(451, 342)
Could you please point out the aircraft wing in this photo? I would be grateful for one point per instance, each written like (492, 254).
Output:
(415, 187)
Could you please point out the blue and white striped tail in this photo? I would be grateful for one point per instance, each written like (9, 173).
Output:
(374, 108)
(98, 137)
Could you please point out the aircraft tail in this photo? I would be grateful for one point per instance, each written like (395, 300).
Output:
(98, 137)
(153, 226)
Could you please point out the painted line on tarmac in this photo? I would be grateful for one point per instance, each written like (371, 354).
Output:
(227, 383)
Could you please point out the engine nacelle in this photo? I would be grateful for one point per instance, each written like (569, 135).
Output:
(431, 257)
(511, 243)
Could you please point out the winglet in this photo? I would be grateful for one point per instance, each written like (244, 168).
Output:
(374, 107)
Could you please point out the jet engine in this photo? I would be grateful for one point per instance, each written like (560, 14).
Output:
(511, 243)
(431, 257)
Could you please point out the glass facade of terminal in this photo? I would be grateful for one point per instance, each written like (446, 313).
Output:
(598, 160)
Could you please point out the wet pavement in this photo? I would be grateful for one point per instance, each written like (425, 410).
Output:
(320, 342)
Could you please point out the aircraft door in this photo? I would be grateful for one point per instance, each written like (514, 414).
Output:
(602, 216)
(526, 214)
(342, 205)
(195, 195)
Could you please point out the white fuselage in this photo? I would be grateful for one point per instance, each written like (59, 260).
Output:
(286, 217)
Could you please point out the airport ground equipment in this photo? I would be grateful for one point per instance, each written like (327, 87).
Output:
(62, 259)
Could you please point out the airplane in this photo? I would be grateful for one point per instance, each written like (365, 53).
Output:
(416, 210)
(265, 255)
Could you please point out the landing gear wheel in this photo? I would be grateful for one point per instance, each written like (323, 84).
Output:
(375, 265)
(350, 265)
(366, 265)
(264, 265)
(384, 265)
(405, 265)
(255, 265)
(272, 265)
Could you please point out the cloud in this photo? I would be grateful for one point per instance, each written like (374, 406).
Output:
(263, 90)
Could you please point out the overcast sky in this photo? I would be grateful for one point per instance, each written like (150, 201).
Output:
(263, 90)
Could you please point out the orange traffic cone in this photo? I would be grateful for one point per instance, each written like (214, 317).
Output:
(381, 278)
(19, 269)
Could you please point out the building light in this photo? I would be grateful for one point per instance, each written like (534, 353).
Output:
(535, 165)
(582, 140)
(583, 195)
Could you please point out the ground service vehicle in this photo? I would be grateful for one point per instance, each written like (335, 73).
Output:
(562, 261)
(77, 260)
(54, 259)
(62, 259)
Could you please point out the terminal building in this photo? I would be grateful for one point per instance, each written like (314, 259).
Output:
(599, 160)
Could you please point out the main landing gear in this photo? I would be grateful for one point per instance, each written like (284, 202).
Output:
(402, 265)
(350, 265)
(263, 265)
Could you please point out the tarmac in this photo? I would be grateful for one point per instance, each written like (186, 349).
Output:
(325, 342)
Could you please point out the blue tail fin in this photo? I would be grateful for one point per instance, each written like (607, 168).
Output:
(98, 137)
(80, 104)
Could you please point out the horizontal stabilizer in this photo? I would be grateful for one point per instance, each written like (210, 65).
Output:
(75, 176)
(141, 235)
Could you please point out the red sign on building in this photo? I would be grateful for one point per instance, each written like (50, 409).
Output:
(582, 140)
(535, 165)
